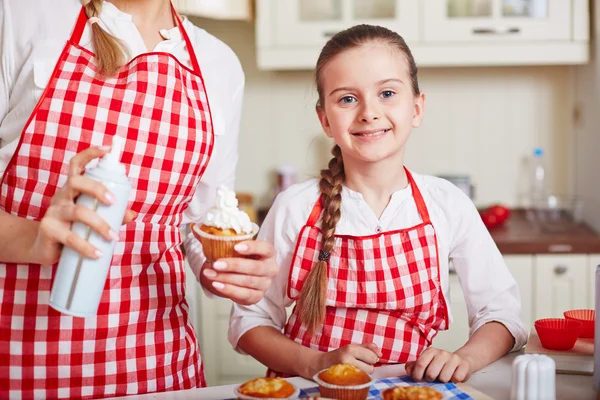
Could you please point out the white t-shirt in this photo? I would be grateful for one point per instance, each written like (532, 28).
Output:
(32, 36)
(490, 291)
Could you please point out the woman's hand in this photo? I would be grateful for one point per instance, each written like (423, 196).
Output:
(363, 356)
(54, 230)
(435, 364)
(242, 279)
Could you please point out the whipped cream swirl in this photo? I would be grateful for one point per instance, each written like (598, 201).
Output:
(225, 214)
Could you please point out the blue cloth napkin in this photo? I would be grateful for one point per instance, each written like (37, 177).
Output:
(448, 390)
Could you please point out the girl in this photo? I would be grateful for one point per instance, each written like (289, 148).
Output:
(364, 251)
(66, 87)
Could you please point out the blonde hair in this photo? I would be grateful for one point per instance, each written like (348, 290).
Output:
(111, 52)
(311, 303)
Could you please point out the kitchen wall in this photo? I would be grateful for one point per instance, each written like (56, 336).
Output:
(483, 122)
(587, 135)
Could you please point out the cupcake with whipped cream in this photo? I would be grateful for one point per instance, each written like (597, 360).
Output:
(223, 226)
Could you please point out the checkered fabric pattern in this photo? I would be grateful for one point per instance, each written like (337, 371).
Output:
(383, 288)
(142, 339)
(449, 390)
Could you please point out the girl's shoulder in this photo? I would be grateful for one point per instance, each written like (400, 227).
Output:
(443, 196)
(297, 201)
(299, 195)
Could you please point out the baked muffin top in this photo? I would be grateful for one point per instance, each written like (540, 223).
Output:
(277, 388)
(411, 393)
(213, 230)
(344, 375)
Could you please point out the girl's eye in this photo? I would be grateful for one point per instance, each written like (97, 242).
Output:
(387, 94)
(347, 99)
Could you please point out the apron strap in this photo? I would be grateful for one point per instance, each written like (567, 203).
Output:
(79, 26)
(315, 213)
(421, 207)
(188, 42)
(82, 21)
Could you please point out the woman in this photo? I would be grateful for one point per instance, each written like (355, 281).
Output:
(178, 107)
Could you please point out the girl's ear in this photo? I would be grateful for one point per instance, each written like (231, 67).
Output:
(419, 109)
(323, 120)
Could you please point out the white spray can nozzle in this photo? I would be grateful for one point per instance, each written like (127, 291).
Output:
(112, 159)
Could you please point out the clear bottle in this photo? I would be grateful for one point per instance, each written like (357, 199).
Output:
(538, 191)
(79, 281)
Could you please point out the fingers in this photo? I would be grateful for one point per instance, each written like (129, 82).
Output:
(462, 373)
(366, 368)
(240, 295)
(363, 353)
(81, 159)
(409, 367)
(129, 216)
(374, 348)
(450, 368)
(253, 282)
(247, 266)
(258, 248)
(77, 213)
(420, 366)
(59, 232)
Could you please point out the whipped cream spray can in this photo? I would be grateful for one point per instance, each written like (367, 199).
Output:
(79, 281)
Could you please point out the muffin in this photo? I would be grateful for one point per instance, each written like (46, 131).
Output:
(224, 226)
(344, 382)
(266, 388)
(411, 393)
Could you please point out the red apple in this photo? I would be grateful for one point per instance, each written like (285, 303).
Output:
(501, 212)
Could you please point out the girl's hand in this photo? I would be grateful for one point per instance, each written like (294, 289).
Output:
(242, 279)
(435, 364)
(362, 356)
(54, 230)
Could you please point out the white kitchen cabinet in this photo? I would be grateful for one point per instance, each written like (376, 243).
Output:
(221, 9)
(560, 284)
(458, 334)
(594, 262)
(313, 22)
(496, 20)
(291, 33)
(521, 268)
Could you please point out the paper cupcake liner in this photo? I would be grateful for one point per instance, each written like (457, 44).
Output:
(354, 392)
(215, 246)
(246, 397)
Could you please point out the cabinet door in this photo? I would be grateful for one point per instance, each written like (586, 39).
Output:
(458, 334)
(313, 22)
(593, 263)
(521, 268)
(561, 284)
(496, 20)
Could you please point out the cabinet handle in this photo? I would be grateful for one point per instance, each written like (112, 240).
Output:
(560, 270)
(494, 31)
(329, 34)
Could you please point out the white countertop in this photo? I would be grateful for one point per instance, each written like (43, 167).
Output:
(494, 381)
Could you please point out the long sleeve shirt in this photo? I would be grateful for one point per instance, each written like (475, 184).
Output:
(464, 243)
(31, 43)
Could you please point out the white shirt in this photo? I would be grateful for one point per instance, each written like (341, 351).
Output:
(32, 36)
(490, 291)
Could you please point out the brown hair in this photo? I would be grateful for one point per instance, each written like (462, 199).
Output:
(311, 304)
(111, 52)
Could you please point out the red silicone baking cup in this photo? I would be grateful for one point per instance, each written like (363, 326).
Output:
(558, 333)
(587, 319)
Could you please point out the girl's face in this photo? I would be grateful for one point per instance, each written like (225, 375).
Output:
(368, 105)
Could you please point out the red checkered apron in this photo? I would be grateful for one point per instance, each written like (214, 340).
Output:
(384, 288)
(142, 339)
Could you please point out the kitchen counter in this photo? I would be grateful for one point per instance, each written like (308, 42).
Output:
(519, 235)
(493, 381)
